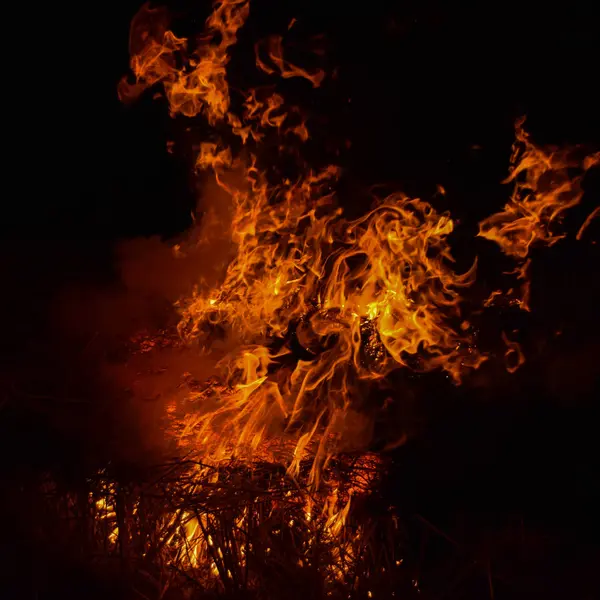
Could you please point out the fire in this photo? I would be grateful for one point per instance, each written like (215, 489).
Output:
(587, 222)
(284, 68)
(201, 86)
(513, 355)
(319, 309)
(543, 190)
(359, 298)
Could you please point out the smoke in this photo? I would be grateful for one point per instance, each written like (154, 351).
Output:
(153, 270)
(120, 337)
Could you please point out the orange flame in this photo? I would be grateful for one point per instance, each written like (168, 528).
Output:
(587, 222)
(283, 67)
(543, 190)
(201, 85)
(514, 355)
(317, 304)
(318, 307)
(360, 297)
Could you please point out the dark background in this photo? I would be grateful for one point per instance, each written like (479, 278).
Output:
(427, 93)
(420, 84)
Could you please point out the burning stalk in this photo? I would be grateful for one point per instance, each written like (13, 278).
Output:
(229, 525)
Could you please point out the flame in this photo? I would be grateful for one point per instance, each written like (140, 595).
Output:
(201, 85)
(357, 298)
(514, 356)
(543, 190)
(319, 308)
(514, 297)
(361, 298)
(319, 305)
(283, 67)
(587, 222)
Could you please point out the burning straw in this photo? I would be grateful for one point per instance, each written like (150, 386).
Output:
(232, 529)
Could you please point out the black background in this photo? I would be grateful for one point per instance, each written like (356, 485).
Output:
(426, 82)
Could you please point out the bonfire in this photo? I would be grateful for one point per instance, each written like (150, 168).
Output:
(273, 456)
